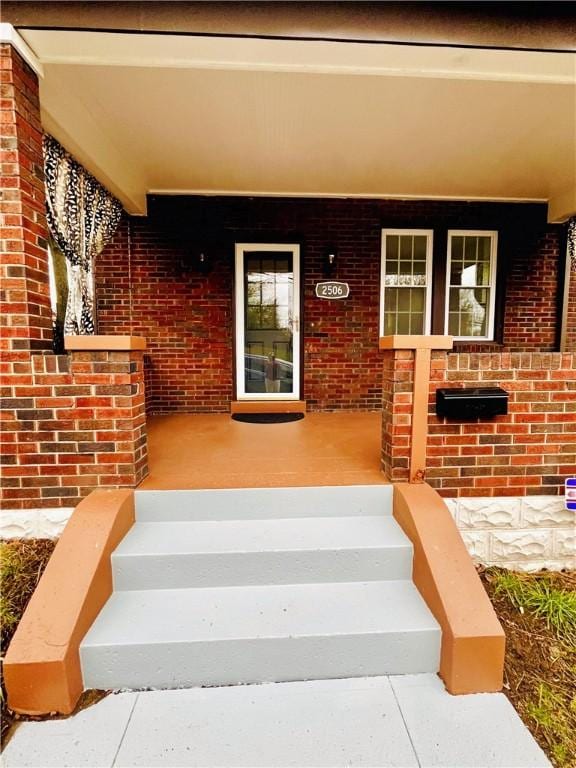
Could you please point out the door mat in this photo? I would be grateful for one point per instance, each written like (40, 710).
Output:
(267, 418)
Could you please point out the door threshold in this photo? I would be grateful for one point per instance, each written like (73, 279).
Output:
(268, 406)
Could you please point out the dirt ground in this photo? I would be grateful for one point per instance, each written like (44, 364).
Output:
(540, 670)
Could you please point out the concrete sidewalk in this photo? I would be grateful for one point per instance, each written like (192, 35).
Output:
(401, 721)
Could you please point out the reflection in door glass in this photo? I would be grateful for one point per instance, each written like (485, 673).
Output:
(268, 349)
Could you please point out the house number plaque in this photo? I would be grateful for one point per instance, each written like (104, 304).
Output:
(332, 289)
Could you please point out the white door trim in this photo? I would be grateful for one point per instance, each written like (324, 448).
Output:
(240, 250)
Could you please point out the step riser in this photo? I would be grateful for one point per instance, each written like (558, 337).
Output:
(176, 665)
(260, 568)
(263, 503)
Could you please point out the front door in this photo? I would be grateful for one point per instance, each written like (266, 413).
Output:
(267, 321)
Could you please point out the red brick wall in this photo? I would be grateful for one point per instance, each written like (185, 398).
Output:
(25, 316)
(532, 450)
(144, 287)
(531, 302)
(71, 423)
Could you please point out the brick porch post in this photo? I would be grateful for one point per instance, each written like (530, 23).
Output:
(25, 300)
(405, 388)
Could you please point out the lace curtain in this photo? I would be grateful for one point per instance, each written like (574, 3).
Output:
(82, 217)
(572, 243)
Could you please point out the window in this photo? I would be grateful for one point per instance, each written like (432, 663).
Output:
(406, 279)
(470, 293)
(464, 285)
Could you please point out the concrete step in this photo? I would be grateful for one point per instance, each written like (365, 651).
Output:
(263, 503)
(241, 552)
(231, 635)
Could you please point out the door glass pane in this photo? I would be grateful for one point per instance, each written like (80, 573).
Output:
(268, 343)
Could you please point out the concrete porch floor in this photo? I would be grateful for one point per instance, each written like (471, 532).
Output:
(213, 451)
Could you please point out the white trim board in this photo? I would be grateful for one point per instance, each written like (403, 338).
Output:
(9, 35)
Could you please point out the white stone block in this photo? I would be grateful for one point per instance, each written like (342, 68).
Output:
(546, 512)
(489, 512)
(34, 523)
(477, 544)
(521, 546)
(51, 522)
(565, 546)
(18, 524)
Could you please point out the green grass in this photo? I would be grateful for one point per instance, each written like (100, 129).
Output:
(556, 607)
(548, 713)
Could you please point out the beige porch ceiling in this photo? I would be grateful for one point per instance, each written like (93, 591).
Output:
(154, 113)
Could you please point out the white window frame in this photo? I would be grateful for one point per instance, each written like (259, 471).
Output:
(429, 234)
(493, 234)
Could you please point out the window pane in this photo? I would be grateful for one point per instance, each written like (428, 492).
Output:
(417, 323)
(457, 248)
(468, 312)
(470, 245)
(253, 317)
(406, 247)
(403, 323)
(392, 248)
(419, 268)
(404, 301)
(417, 304)
(420, 247)
(389, 324)
(404, 310)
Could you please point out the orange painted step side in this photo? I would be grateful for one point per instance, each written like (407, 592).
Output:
(473, 641)
(42, 666)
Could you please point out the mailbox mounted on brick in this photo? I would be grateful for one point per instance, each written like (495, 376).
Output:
(471, 403)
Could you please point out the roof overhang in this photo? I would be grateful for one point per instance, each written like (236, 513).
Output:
(193, 114)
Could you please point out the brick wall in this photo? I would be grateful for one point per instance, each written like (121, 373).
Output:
(147, 285)
(531, 317)
(71, 423)
(25, 315)
(531, 450)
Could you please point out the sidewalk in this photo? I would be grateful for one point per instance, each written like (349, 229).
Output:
(400, 721)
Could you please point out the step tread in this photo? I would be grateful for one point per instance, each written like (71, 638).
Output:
(235, 613)
(279, 535)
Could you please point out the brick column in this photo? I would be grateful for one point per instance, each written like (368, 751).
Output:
(405, 386)
(25, 300)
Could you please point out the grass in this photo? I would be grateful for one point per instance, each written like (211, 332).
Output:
(539, 596)
(538, 614)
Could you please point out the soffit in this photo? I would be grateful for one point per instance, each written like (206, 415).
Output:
(157, 113)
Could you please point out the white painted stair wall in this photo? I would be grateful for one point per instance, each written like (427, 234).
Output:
(221, 587)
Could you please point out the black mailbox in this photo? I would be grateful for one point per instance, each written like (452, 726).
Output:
(471, 403)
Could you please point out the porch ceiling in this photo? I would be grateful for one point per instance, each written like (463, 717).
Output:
(187, 114)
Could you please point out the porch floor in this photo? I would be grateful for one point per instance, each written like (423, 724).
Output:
(213, 451)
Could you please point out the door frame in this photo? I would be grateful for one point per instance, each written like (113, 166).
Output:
(239, 304)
